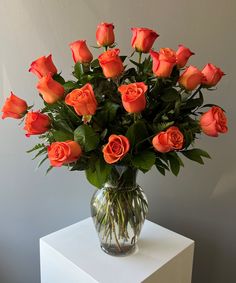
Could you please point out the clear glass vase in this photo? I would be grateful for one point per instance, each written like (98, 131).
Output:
(119, 210)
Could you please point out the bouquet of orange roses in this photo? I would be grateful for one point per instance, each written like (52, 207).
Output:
(118, 112)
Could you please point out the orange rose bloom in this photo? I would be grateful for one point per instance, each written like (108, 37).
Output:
(116, 148)
(143, 39)
(211, 75)
(36, 123)
(105, 34)
(163, 62)
(83, 100)
(133, 97)
(191, 78)
(14, 107)
(182, 55)
(50, 89)
(111, 63)
(60, 153)
(213, 122)
(80, 52)
(43, 66)
(170, 140)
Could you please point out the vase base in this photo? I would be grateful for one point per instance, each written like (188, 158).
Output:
(121, 252)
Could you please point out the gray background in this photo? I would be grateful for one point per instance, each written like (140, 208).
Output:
(200, 203)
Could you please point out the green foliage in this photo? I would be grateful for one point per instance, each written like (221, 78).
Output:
(144, 160)
(86, 137)
(62, 135)
(98, 172)
(167, 104)
(137, 134)
(196, 155)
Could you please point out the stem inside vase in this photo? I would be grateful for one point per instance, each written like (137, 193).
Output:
(119, 210)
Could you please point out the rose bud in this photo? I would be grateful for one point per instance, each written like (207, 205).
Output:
(182, 55)
(190, 78)
(111, 63)
(163, 62)
(116, 148)
(50, 89)
(211, 75)
(43, 66)
(143, 39)
(83, 100)
(14, 107)
(213, 122)
(169, 140)
(80, 52)
(36, 123)
(60, 153)
(105, 34)
(133, 97)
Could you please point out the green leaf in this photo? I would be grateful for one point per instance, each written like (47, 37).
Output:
(40, 152)
(69, 85)
(136, 133)
(163, 126)
(86, 137)
(144, 160)
(95, 64)
(176, 156)
(36, 147)
(135, 63)
(62, 124)
(174, 164)
(42, 161)
(59, 79)
(80, 165)
(123, 58)
(196, 155)
(110, 108)
(78, 71)
(192, 104)
(98, 174)
(170, 95)
(62, 136)
(49, 169)
(161, 170)
(161, 167)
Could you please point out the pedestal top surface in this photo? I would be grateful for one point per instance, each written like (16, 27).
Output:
(79, 244)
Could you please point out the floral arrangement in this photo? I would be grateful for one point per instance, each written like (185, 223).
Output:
(121, 111)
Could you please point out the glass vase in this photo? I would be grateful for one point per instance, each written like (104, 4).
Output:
(119, 210)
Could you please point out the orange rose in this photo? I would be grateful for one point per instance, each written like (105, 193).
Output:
(14, 107)
(116, 148)
(60, 153)
(143, 39)
(43, 66)
(191, 78)
(163, 62)
(133, 97)
(213, 122)
(111, 63)
(83, 100)
(182, 55)
(80, 52)
(170, 140)
(211, 75)
(36, 123)
(105, 34)
(50, 89)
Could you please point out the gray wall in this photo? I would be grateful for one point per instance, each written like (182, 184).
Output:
(200, 203)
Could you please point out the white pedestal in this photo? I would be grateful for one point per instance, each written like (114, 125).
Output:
(73, 255)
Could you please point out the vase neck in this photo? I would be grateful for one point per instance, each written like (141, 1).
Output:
(122, 177)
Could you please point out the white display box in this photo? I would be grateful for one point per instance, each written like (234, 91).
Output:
(73, 255)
